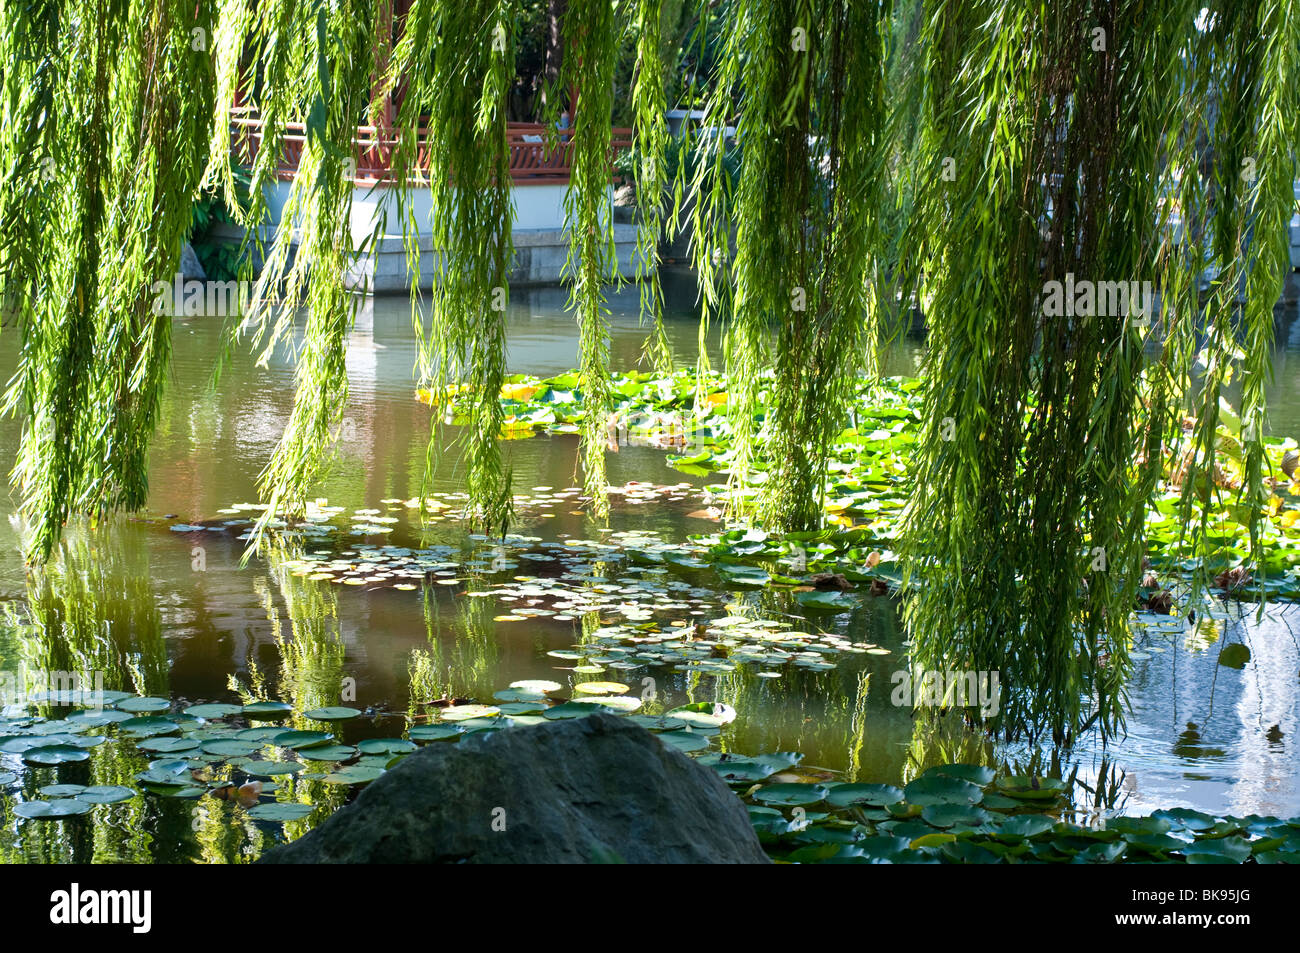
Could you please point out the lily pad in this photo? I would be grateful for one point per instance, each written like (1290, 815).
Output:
(51, 810)
(354, 774)
(385, 746)
(168, 745)
(280, 811)
(143, 703)
(1031, 789)
(823, 601)
(61, 790)
(940, 789)
(974, 773)
(876, 795)
(327, 752)
(1235, 655)
(685, 741)
(1218, 850)
(55, 755)
(600, 688)
(955, 815)
(273, 769)
(434, 732)
(265, 711)
(336, 713)
(791, 795)
(465, 712)
(301, 739)
(572, 710)
(539, 685)
(704, 714)
(1024, 825)
(213, 711)
(231, 747)
(106, 794)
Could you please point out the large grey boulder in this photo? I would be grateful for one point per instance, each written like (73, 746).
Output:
(590, 789)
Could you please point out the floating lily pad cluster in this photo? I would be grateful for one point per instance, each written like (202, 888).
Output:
(688, 412)
(689, 728)
(968, 814)
(717, 647)
(230, 751)
(225, 750)
(867, 475)
(955, 813)
(634, 577)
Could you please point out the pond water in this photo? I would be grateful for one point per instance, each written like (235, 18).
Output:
(176, 615)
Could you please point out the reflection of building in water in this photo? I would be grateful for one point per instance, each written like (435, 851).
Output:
(1267, 711)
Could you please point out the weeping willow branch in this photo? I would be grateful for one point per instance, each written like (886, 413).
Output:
(811, 123)
(591, 48)
(464, 87)
(1046, 429)
(103, 142)
(319, 205)
(649, 108)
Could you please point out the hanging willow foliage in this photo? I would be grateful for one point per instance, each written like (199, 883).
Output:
(810, 116)
(104, 138)
(1017, 146)
(591, 40)
(1045, 429)
(649, 109)
(457, 62)
(305, 265)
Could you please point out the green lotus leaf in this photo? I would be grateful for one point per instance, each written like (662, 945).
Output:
(280, 811)
(336, 713)
(55, 755)
(791, 795)
(213, 711)
(51, 810)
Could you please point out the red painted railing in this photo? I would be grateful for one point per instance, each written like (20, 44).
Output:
(531, 162)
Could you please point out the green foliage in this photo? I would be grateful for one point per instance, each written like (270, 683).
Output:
(1043, 435)
(591, 45)
(103, 142)
(463, 88)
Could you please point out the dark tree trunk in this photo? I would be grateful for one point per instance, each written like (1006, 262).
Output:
(554, 53)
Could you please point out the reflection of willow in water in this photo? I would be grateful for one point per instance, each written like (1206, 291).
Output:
(462, 667)
(91, 619)
(822, 716)
(945, 738)
(312, 654)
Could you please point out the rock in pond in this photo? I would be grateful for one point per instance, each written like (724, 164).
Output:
(190, 266)
(583, 790)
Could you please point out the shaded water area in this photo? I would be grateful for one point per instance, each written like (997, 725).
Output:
(173, 613)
